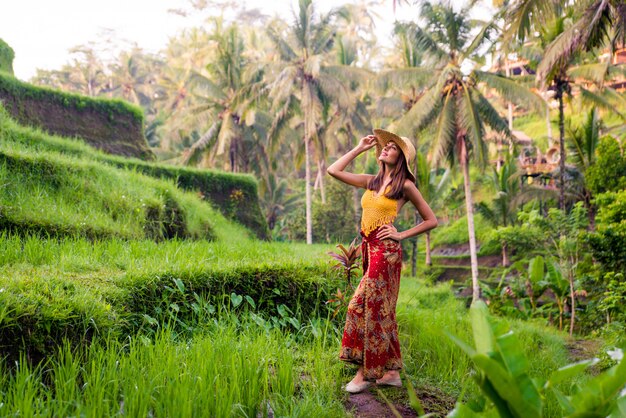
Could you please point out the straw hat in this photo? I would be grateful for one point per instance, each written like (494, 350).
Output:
(405, 144)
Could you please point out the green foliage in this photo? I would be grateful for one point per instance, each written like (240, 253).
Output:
(333, 221)
(613, 300)
(520, 240)
(608, 242)
(456, 232)
(75, 289)
(608, 172)
(6, 58)
(504, 378)
(112, 125)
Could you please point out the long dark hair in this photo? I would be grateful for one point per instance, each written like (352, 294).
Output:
(398, 175)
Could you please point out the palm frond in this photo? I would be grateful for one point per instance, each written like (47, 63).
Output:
(445, 140)
(403, 78)
(511, 90)
(226, 134)
(388, 107)
(586, 32)
(425, 109)
(204, 85)
(282, 86)
(523, 16)
(472, 124)
(600, 100)
(486, 31)
(489, 114)
(596, 72)
(312, 107)
(282, 46)
(426, 44)
(335, 91)
(192, 155)
(347, 73)
(324, 34)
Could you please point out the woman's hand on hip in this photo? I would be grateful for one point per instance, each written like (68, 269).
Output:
(367, 142)
(388, 232)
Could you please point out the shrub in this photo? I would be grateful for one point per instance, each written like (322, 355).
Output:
(6, 58)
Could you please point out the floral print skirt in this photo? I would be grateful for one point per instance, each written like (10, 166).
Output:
(370, 337)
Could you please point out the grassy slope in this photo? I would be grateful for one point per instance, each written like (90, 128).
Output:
(58, 187)
(219, 188)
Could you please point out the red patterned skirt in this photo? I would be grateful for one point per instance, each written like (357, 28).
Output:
(370, 337)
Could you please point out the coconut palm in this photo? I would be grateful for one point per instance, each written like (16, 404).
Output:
(225, 90)
(597, 23)
(304, 84)
(453, 102)
(133, 77)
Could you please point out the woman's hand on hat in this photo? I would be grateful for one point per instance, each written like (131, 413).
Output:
(388, 232)
(367, 142)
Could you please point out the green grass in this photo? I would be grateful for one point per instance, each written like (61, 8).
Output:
(53, 194)
(68, 174)
(77, 289)
(233, 364)
(235, 368)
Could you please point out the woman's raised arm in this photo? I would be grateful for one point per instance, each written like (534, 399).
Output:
(337, 168)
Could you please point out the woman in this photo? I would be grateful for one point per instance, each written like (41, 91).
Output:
(370, 336)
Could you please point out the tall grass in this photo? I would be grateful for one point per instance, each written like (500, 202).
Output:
(235, 368)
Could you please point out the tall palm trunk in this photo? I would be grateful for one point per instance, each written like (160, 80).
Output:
(560, 90)
(573, 299)
(307, 177)
(429, 261)
(469, 207)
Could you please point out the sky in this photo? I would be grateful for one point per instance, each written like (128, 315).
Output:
(42, 32)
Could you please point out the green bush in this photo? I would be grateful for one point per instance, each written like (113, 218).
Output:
(6, 58)
(608, 172)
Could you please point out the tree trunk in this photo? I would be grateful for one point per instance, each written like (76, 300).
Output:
(321, 169)
(573, 298)
(352, 141)
(505, 256)
(414, 257)
(429, 261)
(469, 207)
(548, 124)
(510, 105)
(561, 148)
(307, 179)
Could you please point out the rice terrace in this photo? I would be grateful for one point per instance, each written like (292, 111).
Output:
(308, 208)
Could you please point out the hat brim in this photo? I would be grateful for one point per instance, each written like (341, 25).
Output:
(383, 137)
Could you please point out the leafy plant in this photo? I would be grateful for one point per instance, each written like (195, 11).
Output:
(503, 377)
(347, 259)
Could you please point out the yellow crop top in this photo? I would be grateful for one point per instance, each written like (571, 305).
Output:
(377, 211)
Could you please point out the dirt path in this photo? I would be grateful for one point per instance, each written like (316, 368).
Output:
(366, 405)
(371, 403)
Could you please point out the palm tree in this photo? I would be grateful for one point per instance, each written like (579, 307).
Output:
(453, 101)
(601, 23)
(582, 144)
(305, 82)
(226, 91)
